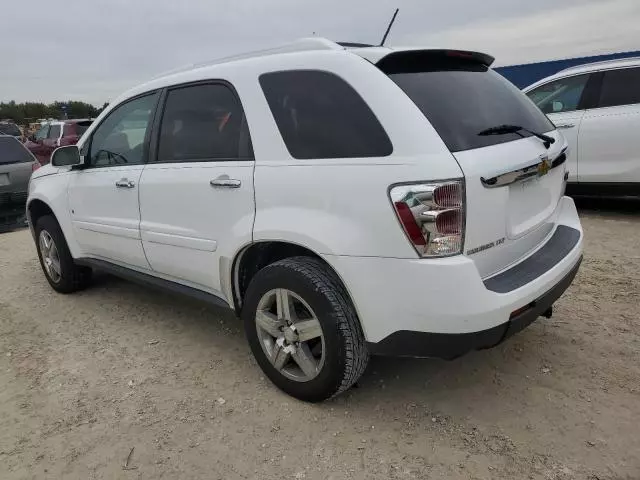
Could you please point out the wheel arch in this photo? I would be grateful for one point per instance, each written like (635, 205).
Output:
(255, 256)
(37, 209)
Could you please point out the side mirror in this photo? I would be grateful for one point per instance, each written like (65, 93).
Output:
(66, 156)
(557, 106)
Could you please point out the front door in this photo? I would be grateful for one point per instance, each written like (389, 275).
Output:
(610, 133)
(196, 193)
(36, 145)
(103, 196)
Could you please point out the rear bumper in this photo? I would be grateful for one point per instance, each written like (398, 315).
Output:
(443, 307)
(451, 345)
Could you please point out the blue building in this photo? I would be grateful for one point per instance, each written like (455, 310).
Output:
(526, 74)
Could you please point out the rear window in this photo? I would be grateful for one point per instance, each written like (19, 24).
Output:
(9, 129)
(12, 151)
(463, 99)
(319, 115)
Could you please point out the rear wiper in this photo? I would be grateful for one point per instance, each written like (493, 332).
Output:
(504, 129)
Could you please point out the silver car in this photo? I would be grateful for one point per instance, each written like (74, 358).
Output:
(16, 166)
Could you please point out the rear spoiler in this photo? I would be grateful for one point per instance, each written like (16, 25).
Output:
(412, 60)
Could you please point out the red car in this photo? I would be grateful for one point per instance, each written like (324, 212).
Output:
(52, 135)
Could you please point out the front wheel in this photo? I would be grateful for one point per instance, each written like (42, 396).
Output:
(303, 329)
(58, 266)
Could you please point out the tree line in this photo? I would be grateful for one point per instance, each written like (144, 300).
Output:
(28, 112)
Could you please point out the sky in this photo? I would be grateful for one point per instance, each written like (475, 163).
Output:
(93, 50)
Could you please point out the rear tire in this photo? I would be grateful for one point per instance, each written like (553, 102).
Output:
(320, 310)
(56, 261)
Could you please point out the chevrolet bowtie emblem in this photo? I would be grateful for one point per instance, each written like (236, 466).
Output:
(543, 167)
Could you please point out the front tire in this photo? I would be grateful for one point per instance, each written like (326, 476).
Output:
(56, 261)
(303, 329)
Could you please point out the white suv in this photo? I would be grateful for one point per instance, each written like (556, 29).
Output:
(343, 201)
(597, 106)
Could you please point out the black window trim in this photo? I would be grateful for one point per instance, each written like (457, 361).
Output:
(602, 74)
(583, 98)
(275, 123)
(86, 147)
(152, 158)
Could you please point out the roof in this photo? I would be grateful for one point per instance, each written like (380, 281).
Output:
(588, 68)
(316, 46)
(607, 64)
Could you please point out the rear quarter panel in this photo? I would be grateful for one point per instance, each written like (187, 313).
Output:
(340, 206)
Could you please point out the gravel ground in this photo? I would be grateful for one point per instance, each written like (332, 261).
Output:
(122, 372)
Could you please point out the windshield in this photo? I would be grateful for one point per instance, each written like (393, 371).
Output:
(12, 151)
(462, 101)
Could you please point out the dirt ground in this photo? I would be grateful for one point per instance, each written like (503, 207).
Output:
(121, 372)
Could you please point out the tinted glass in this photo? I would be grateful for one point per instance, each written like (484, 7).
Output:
(462, 100)
(319, 115)
(81, 127)
(54, 132)
(561, 95)
(202, 123)
(9, 129)
(42, 132)
(12, 151)
(620, 87)
(119, 139)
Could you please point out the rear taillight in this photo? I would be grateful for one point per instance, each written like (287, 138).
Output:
(432, 216)
(35, 166)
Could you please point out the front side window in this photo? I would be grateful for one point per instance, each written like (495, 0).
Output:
(120, 138)
(42, 132)
(560, 95)
(203, 123)
(54, 132)
(319, 115)
(620, 87)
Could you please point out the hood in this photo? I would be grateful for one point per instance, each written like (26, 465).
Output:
(44, 171)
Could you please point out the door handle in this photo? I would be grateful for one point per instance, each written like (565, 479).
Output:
(224, 181)
(564, 126)
(125, 183)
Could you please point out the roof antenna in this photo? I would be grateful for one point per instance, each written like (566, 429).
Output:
(393, 19)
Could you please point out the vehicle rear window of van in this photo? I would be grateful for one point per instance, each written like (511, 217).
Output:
(12, 151)
(462, 100)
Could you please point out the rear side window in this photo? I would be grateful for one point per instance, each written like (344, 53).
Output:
(319, 115)
(463, 99)
(203, 123)
(12, 151)
(54, 131)
(620, 87)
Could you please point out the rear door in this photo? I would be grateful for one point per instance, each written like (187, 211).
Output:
(513, 181)
(52, 141)
(610, 133)
(196, 194)
(563, 101)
